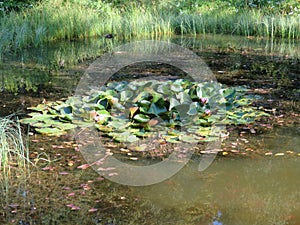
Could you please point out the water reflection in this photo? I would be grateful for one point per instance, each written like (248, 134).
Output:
(62, 56)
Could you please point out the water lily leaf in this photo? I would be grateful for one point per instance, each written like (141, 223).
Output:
(176, 87)
(132, 86)
(201, 92)
(103, 128)
(124, 137)
(43, 117)
(29, 121)
(120, 86)
(110, 93)
(39, 107)
(98, 107)
(164, 89)
(83, 123)
(173, 103)
(141, 96)
(229, 93)
(144, 103)
(156, 96)
(65, 126)
(103, 112)
(118, 106)
(190, 138)
(50, 131)
(184, 98)
(157, 108)
(204, 131)
(119, 124)
(141, 118)
(125, 95)
(40, 125)
(132, 138)
(193, 110)
(33, 114)
(172, 139)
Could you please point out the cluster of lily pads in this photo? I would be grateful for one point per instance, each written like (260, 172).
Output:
(128, 111)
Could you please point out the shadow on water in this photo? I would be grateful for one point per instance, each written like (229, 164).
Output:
(234, 190)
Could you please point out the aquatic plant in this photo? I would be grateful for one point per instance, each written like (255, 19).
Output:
(180, 110)
(14, 155)
(58, 20)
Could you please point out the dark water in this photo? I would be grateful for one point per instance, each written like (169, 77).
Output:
(232, 191)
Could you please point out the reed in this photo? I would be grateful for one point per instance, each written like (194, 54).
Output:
(58, 20)
(14, 156)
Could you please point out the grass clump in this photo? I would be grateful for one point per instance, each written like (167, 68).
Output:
(51, 20)
(14, 156)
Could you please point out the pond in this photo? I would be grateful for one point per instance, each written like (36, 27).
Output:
(253, 180)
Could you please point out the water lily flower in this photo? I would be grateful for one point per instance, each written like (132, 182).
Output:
(207, 112)
(204, 100)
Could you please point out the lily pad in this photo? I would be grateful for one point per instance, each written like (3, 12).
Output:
(50, 131)
(141, 118)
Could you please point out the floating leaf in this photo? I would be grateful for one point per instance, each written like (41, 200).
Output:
(184, 98)
(65, 126)
(189, 138)
(157, 108)
(50, 131)
(193, 110)
(125, 95)
(173, 103)
(141, 118)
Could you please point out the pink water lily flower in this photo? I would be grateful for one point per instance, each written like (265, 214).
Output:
(204, 101)
(207, 112)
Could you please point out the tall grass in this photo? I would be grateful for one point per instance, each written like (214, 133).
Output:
(14, 156)
(57, 19)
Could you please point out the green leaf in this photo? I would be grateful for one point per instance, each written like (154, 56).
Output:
(176, 87)
(184, 98)
(156, 97)
(173, 103)
(164, 89)
(141, 118)
(157, 108)
(201, 92)
(193, 110)
(125, 95)
(65, 126)
(50, 131)
(189, 138)
(43, 117)
(124, 136)
(229, 93)
(39, 107)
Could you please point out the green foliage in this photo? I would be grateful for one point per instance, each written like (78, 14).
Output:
(16, 5)
(14, 155)
(180, 110)
(53, 20)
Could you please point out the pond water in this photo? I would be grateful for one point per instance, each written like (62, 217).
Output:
(239, 190)
(258, 186)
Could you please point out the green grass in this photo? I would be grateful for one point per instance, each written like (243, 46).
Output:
(14, 156)
(54, 20)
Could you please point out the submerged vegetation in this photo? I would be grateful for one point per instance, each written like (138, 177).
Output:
(37, 23)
